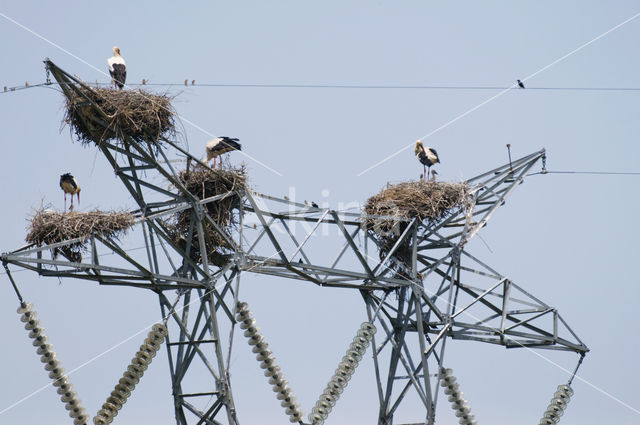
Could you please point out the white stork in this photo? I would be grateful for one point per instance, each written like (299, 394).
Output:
(220, 145)
(69, 185)
(427, 157)
(117, 68)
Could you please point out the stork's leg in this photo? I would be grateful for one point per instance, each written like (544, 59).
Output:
(424, 175)
(214, 161)
(71, 206)
(65, 201)
(78, 198)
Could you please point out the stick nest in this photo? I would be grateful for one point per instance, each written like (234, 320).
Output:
(50, 227)
(142, 115)
(425, 200)
(428, 201)
(204, 182)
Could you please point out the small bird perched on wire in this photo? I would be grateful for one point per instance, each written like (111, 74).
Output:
(220, 145)
(427, 157)
(520, 84)
(117, 68)
(69, 185)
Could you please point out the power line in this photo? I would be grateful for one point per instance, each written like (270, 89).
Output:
(338, 86)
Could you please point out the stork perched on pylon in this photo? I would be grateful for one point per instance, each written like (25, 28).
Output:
(220, 145)
(69, 185)
(117, 68)
(427, 157)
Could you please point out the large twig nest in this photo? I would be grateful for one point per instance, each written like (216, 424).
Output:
(425, 200)
(49, 227)
(428, 201)
(143, 116)
(203, 183)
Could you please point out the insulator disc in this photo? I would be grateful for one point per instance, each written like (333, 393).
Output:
(132, 376)
(44, 349)
(340, 380)
(241, 306)
(48, 357)
(36, 332)
(359, 348)
(263, 355)
(149, 349)
(39, 341)
(462, 411)
(335, 387)
(261, 346)
(121, 394)
(291, 410)
(247, 323)
(255, 339)
(111, 408)
(62, 381)
(250, 332)
(354, 354)
(360, 340)
(280, 385)
(160, 328)
(115, 401)
(454, 397)
(352, 361)
(325, 404)
(24, 308)
(466, 421)
(73, 404)
(103, 417)
(272, 371)
(316, 418)
(296, 416)
(127, 382)
(81, 420)
(453, 388)
(347, 367)
(551, 415)
(329, 398)
(275, 378)
(558, 408)
(138, 362)
(547, 421)
(68, 396)
(566, 389)
(64, 389)
(78, 412)
(144, 357)
(288, 402)
(136, 370)
(449, 380)
(56, 373)
(446, 372)
(28, 316)
(154, 343)
(322, 411)
(368, 326)
(32, 324)
(283, 393)
(365, 334)
(52, 365)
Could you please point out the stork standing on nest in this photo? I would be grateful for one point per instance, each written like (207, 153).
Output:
(117, 68)
(69, 185)
(220, 145)
(427, 157)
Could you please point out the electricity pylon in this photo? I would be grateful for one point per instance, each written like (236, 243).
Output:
(427, 288)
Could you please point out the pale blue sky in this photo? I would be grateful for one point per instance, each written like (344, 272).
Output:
(568, 239)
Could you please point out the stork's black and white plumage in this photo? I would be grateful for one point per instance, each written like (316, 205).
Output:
(117, 68)
(69, 185)
(220, 145)
(520, 84)
(427, 157)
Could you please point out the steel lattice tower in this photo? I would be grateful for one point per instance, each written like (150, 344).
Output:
(434, 291)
